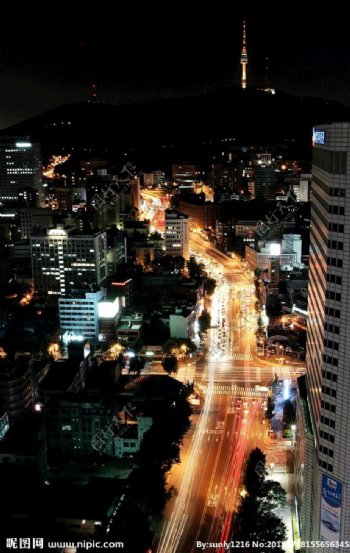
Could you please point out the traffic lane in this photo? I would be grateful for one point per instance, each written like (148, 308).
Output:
(225, 487)
(246, 442)
(210, 453)
(228, 474)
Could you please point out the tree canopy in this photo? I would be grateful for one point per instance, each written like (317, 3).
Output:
(204, 322)
(256, 518)
(169, 364)
(269, 412)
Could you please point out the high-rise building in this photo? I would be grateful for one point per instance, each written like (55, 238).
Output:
(301, 187)
(34, 220)
(78, 313)
(186, 173)
(20, 168)
(323, 437)
(73, 423)
(16, 385)
(64, 260)
(176, 233)
(156, 178)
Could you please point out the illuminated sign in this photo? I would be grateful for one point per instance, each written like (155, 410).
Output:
(275, 249)
(23, 145)
(122, 283)
(72, 337)
(56, 232)
(299, 310)
(108, 309)
(330, 511)
(318, 137)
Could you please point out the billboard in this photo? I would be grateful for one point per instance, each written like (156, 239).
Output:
(330, 509)
(318, 137)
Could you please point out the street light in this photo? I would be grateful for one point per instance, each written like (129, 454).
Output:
(282, 351)
(293, 429)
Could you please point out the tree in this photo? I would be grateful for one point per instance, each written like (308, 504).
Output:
(182, 345)
(255, 519)
(269, 409)
(155, 331)
(272, 496)
(257, 272)
(155, 236)
(194, 268)
(169, 345)
(204, 321)
(270, 528)
(169, 364)
(128, 516)
(247, 514)
(186, 342)
(209, 285)
(275, 383)
(255, 472)
(136, 364)
(288, 413)
(137, 345)
(188, 388)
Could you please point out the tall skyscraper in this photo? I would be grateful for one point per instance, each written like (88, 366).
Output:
(323, 439)
(244, 57)
(176, 233)
(20, 168)
(63, 260)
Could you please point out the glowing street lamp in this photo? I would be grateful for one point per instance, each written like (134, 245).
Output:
(54, 351)
(114, 351)
(293, 429)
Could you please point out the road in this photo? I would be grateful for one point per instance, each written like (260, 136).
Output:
(225, 432)
(208, 481)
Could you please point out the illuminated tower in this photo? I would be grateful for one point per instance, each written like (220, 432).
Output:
(244, 58)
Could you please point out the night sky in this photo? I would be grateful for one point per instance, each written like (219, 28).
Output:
(132, 56)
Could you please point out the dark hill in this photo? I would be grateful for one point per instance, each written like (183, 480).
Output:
(184, 124)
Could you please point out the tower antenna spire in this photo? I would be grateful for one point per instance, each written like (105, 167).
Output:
(267, 76)
(244, 57)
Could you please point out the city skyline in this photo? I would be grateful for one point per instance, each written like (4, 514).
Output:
(174, 280)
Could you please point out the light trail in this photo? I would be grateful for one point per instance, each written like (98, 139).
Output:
(208, 493)
(171, 534)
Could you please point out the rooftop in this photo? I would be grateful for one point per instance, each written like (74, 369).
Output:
(61, 375)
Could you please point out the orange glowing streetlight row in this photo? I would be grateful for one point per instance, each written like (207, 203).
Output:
(49, 171)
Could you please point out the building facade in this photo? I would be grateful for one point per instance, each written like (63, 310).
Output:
(20, 168)
(328, 346)
(34, 220)
(201, 214)
(79, 313)
(75, 424)
(176, 233)
(63, 260)
(16, 385)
